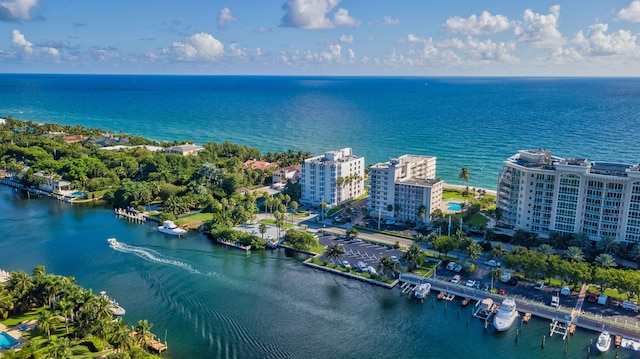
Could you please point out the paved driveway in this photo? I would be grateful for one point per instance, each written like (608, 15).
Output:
(367, 252)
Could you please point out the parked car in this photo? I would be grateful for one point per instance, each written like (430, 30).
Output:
(514, 280)
(628, 305)
(603, 299)
(502, 291)
(455, 279)
(372, 270)
(346, 264)
(395, 259)
(506, 278)
(485, 287)
(458, 268)
(451, 265)
(555, 301)
(361, 266)
(493, 263)
(592, 297)
(470, 283)
(565, 291)
(539, 285)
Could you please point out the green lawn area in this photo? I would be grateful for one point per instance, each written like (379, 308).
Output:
(317, 249)
(454, 194)
(195, 217)
(478, 221)
(17, 319)
(272, 222)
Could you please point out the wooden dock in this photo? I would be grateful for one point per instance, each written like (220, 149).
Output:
(233, 244)
(560, 328)
(130, 214)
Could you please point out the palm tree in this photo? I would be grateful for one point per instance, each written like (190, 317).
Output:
(6, 303)
(546, 249)
(334, 251)
(474, 250)
(323, 207)
(605, 260)
(47, 322)
(414, 255)
(352, 233)
(498, 251)
(66, 309)
(386, 265)
(121, 336)
(465, 176)
(143, 333)
(495, 274)
(262, 229)
(397, 208)
(607, 245)
(59, 348)
(581, 240)
(574, 254)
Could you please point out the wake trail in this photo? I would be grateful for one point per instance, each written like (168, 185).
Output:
(153, 256)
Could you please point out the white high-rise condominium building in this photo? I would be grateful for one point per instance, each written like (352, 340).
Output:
(541, 193)
(334, 178)
(405, 188)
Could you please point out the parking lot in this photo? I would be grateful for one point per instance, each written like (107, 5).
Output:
(363, 251)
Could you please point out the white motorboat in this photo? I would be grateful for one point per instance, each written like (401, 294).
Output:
(169, 227)
(115, 308)
(506, 315)
(604, 342)
(113, 243)
(422, 290)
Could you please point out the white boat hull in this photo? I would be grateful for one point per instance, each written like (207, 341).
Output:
(173, 231)
(604, 342)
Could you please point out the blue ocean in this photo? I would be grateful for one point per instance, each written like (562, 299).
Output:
(213, 302)
(472, 122)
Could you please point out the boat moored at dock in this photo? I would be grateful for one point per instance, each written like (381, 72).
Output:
(422, 291)
(506, 315)
(169, 227)
(115, 308)
(604, 342)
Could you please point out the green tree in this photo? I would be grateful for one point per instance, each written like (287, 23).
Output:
(59, 348)
(497, 251)
(473, 250)
(495, 274)
(607, 245)
(334, 251)
(47, 322)
(121, 336)
(546, 249)
(300, 240)
(444, 244)
(388, 266)
(465, 176)
(262, 229)
(574, 254)
(143, 333)
(414, 256)
(352, 233)
(605, 260)
(6, 303)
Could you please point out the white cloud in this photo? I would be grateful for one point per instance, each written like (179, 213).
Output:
(199, 47)
(348, 39)
(475, 25)
(25, 50)
(262, 29)
(236, 51)
(313, 14)
(631, 13)
(258, 52)
(16, 10)
(540, 30)
(388, 20)
(104, 54)
(224, 17)
(598, 43)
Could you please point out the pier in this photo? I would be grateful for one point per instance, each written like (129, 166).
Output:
(130, 214)
(233, 244)
(571, 317)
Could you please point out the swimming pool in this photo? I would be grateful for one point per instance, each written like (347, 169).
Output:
(7, 341)
(78, 194)
(454, 206)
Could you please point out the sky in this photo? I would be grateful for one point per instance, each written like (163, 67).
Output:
(322, 37)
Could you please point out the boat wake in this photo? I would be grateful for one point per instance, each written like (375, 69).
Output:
(153, 256)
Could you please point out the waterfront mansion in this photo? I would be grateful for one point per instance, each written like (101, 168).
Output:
(542, 193)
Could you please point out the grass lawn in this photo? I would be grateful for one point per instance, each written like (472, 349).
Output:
(195, 218)
(272, 222)
(317, 249)
(454, 194)
(17, 319)
(478, 221)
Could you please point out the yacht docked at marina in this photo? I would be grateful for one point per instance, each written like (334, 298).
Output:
(506, 315)
(422, 291)
(604, 342)
(169, 227)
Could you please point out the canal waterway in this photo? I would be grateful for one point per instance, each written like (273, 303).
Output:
(217, 302)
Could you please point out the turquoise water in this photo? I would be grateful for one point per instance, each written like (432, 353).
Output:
(472, 122)
(215, 302)
(453, 206)
(7, 341)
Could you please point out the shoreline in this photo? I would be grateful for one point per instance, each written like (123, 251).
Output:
(461, 187)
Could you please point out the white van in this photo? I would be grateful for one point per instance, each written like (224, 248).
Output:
(630, 306)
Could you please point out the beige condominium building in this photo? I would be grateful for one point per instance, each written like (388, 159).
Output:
(405, 188)
(542, 193)
(334, 178)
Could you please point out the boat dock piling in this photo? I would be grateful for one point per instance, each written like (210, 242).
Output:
(131, 215)
(581, 320)
(560, 328)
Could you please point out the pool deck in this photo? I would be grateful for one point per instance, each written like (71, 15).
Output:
(16, 332)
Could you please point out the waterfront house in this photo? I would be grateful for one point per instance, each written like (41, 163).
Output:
(291, 173)
(184, 150)
(259, 165)
(52, 183)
